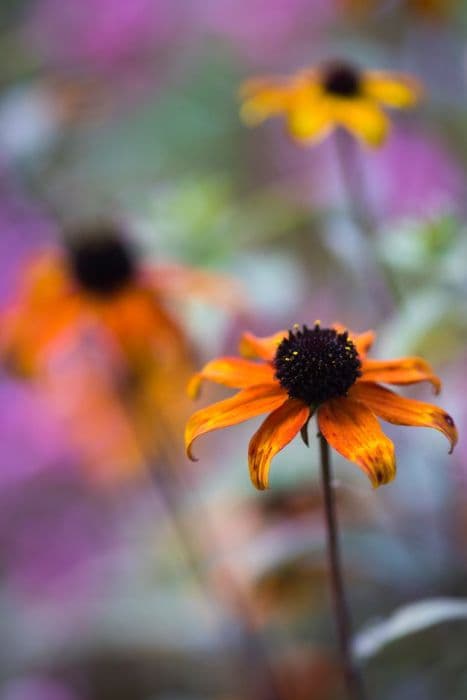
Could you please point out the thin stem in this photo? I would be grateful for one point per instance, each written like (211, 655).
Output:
(380, 279)
(353, 681)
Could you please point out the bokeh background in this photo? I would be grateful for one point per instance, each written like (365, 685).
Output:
(166, 579)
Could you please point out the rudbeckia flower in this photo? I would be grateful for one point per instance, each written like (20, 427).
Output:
(315, 101)
(324, 371)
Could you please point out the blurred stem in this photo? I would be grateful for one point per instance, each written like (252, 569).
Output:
(256, 659)
(353, 680)
(381, 283)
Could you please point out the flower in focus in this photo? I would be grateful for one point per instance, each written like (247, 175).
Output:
(95, 324)
(325, 371)
(315, 101)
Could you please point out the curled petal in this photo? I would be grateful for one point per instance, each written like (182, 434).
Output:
(263, 348)
(363, 117)
(405, 370)
(401, 411)
(248, 403)
(352, 429)
(234, 372)
(279, 428)
(392, 90)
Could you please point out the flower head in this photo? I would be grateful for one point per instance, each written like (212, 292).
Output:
(292, 375)
(315, 101)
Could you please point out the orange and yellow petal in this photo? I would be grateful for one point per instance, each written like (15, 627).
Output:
(248, 403)
(402, 411)
(362, 117)
(279, 428)
(353, 431)
(233, 372)
(264, 348)
(405, 370)
(392, 90)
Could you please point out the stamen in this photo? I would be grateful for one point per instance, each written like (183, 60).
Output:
(341, 79)
(316, 365)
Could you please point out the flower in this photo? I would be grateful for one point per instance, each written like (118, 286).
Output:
(93, 324)
(324, 371)
(317, 100)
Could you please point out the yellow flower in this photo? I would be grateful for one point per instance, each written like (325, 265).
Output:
(315, 101)
(324, 371)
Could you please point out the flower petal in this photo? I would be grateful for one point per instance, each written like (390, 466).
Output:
(232, 371)
(363, 117)
(264, 348)
(244, 405)
(309, 120)
(279, 428)
(391, 89)
(263, 98)
(404, 370)
(352, 429)
(402, 411)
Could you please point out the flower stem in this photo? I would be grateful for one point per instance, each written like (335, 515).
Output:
(380, 279)
(353, 680)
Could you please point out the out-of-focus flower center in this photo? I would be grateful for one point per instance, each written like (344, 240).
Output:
(318, 364)
(341, 79)
(101, 262)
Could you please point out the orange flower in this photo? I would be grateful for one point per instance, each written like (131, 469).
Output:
(324, 371)
(95, 290)
(315, 101)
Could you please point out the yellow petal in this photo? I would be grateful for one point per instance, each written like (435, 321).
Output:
(352, 429)
(309, 120)
(263, 98)
(362, 117)
(391, 89)
(248, 403)
(263, 348)
(279, 428)
(234, 372)
(404, 370)
(401, 411)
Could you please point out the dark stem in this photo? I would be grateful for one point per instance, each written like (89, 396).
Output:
(379, 277)
(353, 681)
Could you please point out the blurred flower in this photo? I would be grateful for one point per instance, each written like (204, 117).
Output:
(112, 35)
(264, 28)
(94, 324)
(317, 100)
(324, 370)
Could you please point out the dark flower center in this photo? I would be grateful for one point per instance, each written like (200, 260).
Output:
(318, 364)
(101, 261)
(341, 79)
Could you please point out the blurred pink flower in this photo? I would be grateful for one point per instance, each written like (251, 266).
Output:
(264, 28)
(102, 36)
(36, 688)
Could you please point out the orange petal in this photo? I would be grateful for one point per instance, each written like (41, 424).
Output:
(264, 348)
(362, 341)
(352, 430)
(391, 89)
(232, 371)
(279, 428)
(363, 117)
(248, 403)
(404, 370)
(401, 411)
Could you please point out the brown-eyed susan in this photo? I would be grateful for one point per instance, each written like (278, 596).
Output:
(94, 292)
(324, 371)
(315, 101)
